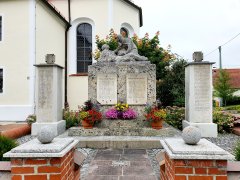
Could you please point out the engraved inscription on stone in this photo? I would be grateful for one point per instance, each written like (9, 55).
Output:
(107, 88)
(45, 89)
(137, 89)
(202, 88)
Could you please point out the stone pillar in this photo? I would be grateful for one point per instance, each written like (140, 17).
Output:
(49, 104)
(187, 162)
(34, 160)
(198, 96)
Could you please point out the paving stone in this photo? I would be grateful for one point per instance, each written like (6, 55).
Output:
(137, 178)
(110, 151)
(101, 163)
(134, 157)
(105, 170)
(102, 178)
(140, 163)
(112, 157)
(134, 151)
(138, 170)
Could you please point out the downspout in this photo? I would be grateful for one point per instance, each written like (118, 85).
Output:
(66, 54)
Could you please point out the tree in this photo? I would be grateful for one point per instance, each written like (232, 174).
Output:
(171, 88)
(222, 87)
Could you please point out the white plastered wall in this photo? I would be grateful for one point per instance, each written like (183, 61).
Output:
(50, 37)
(16, 101)
(102, 15)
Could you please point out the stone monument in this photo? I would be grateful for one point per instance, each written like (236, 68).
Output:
(49, 102)
(198, 96)
(122, 76)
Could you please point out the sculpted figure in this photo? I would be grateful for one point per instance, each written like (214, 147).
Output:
(127, 50)
(107, 55)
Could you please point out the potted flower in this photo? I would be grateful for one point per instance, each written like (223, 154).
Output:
(121, 111)
(155, 116)
(89, 115)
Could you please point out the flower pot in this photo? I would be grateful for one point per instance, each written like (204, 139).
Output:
(87, 125)
(156, 125)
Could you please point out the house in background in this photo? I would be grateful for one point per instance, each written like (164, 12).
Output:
(30, 29)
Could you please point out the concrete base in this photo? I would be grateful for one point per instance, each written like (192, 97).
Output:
(207, 129)
(58, 127)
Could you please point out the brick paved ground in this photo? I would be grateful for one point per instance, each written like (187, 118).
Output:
(121, 164)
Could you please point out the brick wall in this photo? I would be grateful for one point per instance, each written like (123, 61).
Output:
(62, 168)
(193, 169)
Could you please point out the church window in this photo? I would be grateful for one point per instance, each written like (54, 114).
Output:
(84, 47)
(1, 80)
(0, 28)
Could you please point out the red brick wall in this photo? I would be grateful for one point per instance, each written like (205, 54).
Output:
(45, 168)
(193, 169)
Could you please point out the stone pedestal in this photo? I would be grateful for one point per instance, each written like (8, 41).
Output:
(49, 102)
(129, 82)
(202, 161)
(198, 98)
(34, 160)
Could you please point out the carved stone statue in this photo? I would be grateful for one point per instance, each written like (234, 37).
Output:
(107, 55)
(126, 51)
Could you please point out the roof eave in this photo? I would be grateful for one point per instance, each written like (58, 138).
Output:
(139, 9)
(45, 2)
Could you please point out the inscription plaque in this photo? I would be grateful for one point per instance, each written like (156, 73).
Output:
(107, 88)
(137, 89)
(202, 88)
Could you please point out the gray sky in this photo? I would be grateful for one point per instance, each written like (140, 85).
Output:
(195, 25)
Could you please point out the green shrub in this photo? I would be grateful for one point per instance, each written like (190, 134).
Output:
(175, 116)
(31, 119)
(237, 151)
(234, 107)
(223, 120)
(71, 117)
(6, 144)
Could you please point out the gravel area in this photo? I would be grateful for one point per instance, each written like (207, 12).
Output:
(226, 141)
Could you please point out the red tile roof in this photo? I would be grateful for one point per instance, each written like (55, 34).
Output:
(234, 75)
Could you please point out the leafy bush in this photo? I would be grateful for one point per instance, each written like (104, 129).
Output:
(234, 100)
(175, 116)
(6, 144)
(237, 151)
(71, 117)
(31, 119)
(223, 120)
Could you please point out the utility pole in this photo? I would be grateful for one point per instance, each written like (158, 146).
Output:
(220, 57)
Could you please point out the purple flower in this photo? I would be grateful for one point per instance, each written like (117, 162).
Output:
(111, 114)
(129, 114)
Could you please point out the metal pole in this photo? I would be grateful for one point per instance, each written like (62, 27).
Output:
(220, 57)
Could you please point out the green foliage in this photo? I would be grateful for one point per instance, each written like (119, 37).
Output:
(175, 116)
(222, 87)
(31, 119)
(6, 144)
(236, 108)
(71, 117)
(171, 88)
(237, 151)
(223, 120)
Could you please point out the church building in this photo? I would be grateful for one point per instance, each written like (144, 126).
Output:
(32, 29)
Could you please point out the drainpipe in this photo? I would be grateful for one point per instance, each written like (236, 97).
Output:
(66, 53)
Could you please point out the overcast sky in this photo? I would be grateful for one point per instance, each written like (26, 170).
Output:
(195, 25)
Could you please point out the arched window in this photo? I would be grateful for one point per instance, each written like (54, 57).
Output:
(84, 47)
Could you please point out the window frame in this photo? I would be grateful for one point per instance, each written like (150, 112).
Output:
(3, 84)
(84, 60)
(2, 28)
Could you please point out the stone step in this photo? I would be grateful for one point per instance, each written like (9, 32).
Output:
(124, 130)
